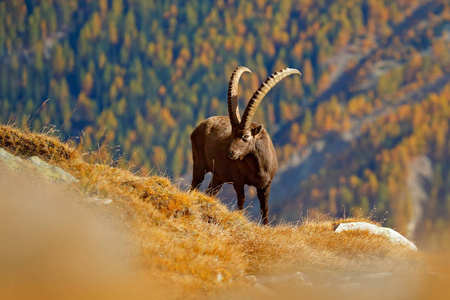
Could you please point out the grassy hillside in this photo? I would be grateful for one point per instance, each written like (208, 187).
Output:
(190, 245)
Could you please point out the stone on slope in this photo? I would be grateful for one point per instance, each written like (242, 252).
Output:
(53, 173)
(42, 168)
(13, 162)
(391, 234)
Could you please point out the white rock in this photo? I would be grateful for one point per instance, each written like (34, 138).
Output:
(391, 234)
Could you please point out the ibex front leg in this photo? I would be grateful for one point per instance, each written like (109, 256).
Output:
(198, 176)
(263, 197)
(239, 188)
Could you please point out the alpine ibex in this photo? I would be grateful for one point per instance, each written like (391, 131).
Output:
(235, 151)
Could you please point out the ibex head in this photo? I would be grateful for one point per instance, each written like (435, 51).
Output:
(244, 134)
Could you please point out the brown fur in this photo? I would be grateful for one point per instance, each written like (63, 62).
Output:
(235, 151)
(253, 162)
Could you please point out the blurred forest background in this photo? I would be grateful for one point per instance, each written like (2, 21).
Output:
(366, 126)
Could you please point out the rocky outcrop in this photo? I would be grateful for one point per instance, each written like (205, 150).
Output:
(51, 172)
(10, 161)
(391, 234)
(35, 165)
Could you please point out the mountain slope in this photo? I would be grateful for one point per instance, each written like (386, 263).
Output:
(192, 242)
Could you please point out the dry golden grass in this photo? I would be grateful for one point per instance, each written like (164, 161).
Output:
(194, 246)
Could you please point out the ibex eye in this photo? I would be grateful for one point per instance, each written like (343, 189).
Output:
(246, 137)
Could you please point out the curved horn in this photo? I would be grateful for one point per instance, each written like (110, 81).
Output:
(265, 87)
(233, 105)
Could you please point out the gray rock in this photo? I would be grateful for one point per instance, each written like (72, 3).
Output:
(49, 171)
(13, 162)
(53, 173)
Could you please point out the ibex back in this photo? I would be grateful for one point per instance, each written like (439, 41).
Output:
(235, 151)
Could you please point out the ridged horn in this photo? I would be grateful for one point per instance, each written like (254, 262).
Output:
(265, 87)
(233, 104)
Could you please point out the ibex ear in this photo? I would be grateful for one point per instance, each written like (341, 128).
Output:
(257, 130)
